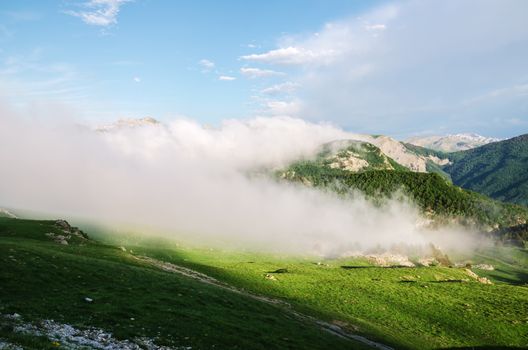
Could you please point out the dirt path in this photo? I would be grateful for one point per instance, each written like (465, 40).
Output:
(326, 326)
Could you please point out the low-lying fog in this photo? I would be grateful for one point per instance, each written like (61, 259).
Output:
(186, 179)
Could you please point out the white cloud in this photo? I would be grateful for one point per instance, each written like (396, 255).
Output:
(137, 79)
(290, 56)
(287, 88)
(253, 73)
(375, 27)
(206, 65)
(283, 108)
(226, 78)
(413, 65)
(99, 12)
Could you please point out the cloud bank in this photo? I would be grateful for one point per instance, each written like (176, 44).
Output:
(189, 180)
(453, 66)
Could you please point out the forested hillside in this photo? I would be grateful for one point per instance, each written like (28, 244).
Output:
(430, 191)
(499, 170)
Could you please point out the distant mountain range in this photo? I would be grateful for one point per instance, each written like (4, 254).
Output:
(451, 143)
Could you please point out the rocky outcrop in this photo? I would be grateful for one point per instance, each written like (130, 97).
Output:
(67, 233)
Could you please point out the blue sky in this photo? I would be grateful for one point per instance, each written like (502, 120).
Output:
(398, 68)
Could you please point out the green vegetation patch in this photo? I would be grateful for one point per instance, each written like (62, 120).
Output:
(499, 169)
(42, 279)
(417, 308)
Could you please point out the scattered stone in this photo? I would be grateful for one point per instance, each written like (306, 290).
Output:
(389, 260)
(471, 274)
(427, 262)
(68, 337)
(484, 280)
(88, 300)
(270, 277)
(63, 224)
(61, 239)
(122, 248)
(486, 267)
(479, 279)
(4, 345)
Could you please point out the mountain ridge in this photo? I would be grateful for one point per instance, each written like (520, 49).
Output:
(451, 142)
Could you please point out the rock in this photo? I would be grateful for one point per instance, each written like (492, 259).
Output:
(63, 224)
(387, 259)
(484, 280)
(471, 274)
(88, 300)
(270, 277)
(123, 248)
(486, 267)
(479, 279)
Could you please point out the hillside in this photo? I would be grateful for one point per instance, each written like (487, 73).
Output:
(403, 154)
(162, 295)
(433, 193)
(499, 170)
(61, 289)
(354, 156)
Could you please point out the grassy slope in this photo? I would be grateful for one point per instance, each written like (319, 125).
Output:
(428, 312)
(499, 169)
(41, 279)
(429, 190)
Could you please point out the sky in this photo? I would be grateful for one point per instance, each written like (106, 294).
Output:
(399, 68)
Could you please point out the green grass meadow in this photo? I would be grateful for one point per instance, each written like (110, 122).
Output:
(405, 308)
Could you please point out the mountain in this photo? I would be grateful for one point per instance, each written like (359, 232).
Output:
(409, 157)
(499, 169)
(451, 143)
(128, 123)
(347, 165)
(436, 197)
(353, 155)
